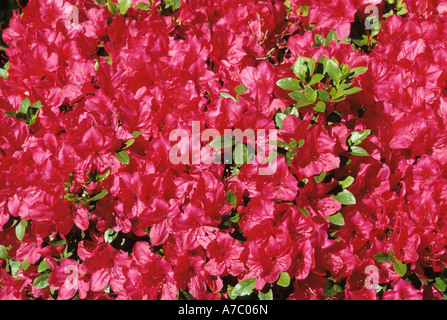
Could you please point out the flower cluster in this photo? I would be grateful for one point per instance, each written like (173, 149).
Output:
(92, 208)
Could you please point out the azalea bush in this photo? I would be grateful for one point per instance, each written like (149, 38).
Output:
(92, 207)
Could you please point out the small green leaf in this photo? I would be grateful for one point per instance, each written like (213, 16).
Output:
(187, 295)
(113, 8)
(227, 96)
(279, 117)
(57, 243)
(357, 137)
(315, 79)
(124, 5)
(43, 266)
(323, 95)
(99, 195)
(4, 74)
(14, 266)
(331, 289)
(110, 235)
(25, 105)
(440, 284)
(3, 252)
(383, 257)
(345, 197)
(347, 182)
(265, 296)
(222, 142)
(310, 94)
(235, 218)
(356, 71)
(245, 287)
(41, 281)
(320, 106)
(320, 177)
(300, 67)
(300, 98)
(303, 11)
(128, 143)
(337, 219)
(311, 66)
(240, 89)
(122, 156)
(231, 198)
(289, 84)
(304, 211)
(20, 229)
(333, 70)
(358, 151)
(284, 279)
(400, 267)
(352, 90)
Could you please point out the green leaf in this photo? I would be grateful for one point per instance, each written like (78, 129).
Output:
(128, 143)
(310, 94)
(333, 70)
(4, 74)
(320, 106)
(303, 11)
(384, 257)
(57, 243)
(345, 197)
(240, 89)
(14, 266)
(11, 114)
(315, 79)
(122, 156)
(110, 235)
(41, 281)
(222, 142)
(20, 229)
(323, 95)
(227, 96)
(352, 90)
(283, 280)
(300, 98)
(337, 219)
(304, 211)
(187, 295)
(265, 296)
(235, 218)
(43, 266)
(347, 182)
(231, 198)
(320, 177)
(24, 105)
(113, 8)
(142, 6)
(124, 5)
(358, 151)
(331, 289)
(400, 267)
(245, 287)
(3, 252)
(289, 84)
(99, 195)
(356, 71)
(174, 4)
(440, 284)
(300, 67)
(279, 117)
(357, 137)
